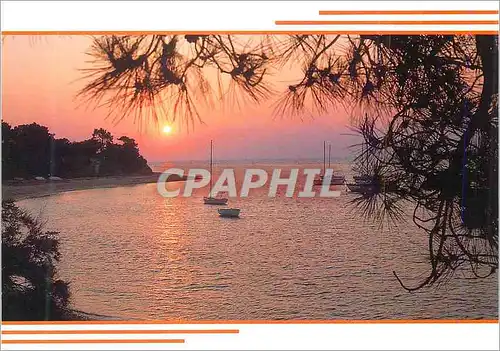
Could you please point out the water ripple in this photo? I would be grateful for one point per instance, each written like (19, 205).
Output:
(131, 254)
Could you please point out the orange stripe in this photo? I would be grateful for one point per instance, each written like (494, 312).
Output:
(406, 23)
(386, 321)
(250, 32)
(412, 12)
(95, 341)
(62, 332)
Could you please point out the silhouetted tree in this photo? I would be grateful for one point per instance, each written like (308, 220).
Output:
(30, 150)
(103, 138)
(31, 289)
(27, 150)
(426, 107)
(130, 157)
(79, 160)
(8, 164)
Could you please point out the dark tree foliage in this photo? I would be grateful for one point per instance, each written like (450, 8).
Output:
(26, 150)
(439, 147)
(426, 107)
(31, 289)
(30, 151)
(103, 138)
(161, 77)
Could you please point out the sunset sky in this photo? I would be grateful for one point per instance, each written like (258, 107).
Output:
(41, 78)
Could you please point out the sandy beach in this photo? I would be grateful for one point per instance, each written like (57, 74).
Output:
(29, 189)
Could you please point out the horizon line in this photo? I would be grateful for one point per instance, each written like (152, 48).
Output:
(253, 159)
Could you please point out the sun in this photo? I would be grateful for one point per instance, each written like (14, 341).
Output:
(167, 129)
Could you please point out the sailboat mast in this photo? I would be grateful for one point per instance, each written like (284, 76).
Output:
(211, 161)
(329, 154)
(324, 157)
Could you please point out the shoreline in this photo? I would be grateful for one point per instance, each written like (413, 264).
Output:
(33, 189)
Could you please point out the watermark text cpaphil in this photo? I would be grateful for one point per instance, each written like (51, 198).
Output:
(315, 183)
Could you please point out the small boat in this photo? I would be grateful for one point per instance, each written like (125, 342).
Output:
(209, 200)
(361, 188)
(229, 212)
(362, 184)
(55, 178)
(363, 179)
(319, 180)
(336, 179)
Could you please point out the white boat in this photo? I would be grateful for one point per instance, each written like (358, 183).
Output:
(229, 212)
(55, 178)
(209, 200)
(363, 179)
(336, 179)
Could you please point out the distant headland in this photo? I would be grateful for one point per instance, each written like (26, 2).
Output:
(35, 163)
(31, 151)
